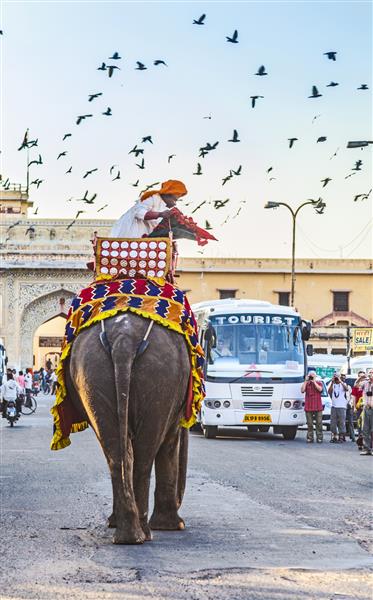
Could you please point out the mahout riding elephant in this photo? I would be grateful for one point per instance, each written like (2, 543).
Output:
(134, 406)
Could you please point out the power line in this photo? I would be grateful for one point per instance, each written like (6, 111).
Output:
(367, 226)
(359, 244)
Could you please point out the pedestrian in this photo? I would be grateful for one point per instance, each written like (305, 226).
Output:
(48, 364)
(349, 410)
(357, 397)
(367, 388)
(313, 406)
(337, 391)
(21, 381)
(28, 387)
(53, 380)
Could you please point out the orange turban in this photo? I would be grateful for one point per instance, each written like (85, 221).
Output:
(172, 186)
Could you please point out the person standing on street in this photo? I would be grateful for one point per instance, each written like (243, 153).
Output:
(313, 406)
(337, 391)
(28, 387)
(349, 410)
(367, 415)
(357, 396)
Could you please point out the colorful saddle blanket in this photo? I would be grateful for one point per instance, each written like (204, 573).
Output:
(160, 301)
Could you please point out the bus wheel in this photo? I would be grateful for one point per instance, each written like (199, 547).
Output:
(289, 432)
(210, 431)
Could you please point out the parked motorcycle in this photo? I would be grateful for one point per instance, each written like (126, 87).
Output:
(11, 412)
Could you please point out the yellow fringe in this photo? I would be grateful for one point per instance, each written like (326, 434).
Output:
(58, 441)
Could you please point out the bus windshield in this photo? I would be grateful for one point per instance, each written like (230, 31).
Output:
(269, 344)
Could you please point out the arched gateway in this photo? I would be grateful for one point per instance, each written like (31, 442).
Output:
(36, 313)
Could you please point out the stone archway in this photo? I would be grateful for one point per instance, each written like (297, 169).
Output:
(36, 313)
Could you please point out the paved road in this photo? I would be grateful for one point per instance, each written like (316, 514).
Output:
(266, 519)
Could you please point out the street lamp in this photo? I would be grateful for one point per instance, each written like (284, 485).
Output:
(319, 206)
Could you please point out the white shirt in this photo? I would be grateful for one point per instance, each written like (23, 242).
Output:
(132, 224)
(53, 377)
(339, 399)
(28, 381)
(9, 390)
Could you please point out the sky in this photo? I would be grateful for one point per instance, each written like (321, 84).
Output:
(50, 52)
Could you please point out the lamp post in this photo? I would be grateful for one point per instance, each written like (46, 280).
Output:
(319, 205)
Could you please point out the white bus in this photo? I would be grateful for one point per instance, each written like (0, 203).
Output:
(255, 365)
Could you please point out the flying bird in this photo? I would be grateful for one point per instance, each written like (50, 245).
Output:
(147, 138)
(332, 84)
(32, 143)
(202, 153)
(86, 199)
(331, 55)
(362, 196)
(102, 68)
(254, 99)
(227, 178)
(350, 175)
(208, 116)
(238, 172)
(235, 136)
(102, 208)
(209, 146)
(234, 37)
(89, 172)
(159, 62)
(62, 154)
(357, 166)
(35, 182)
(108, 112)
(170, 158)
(363, 86)
(291, 141)
(315, 93)
(110, 69)
(335, 154)
(322, 138)
(220, 203)
(81, 118)
(117, 176)
(325, 181)
(66, 136)
(198, 207)
(136, 183)
(200, 21)
(261, 71)
(69, 170)
(136, 151)
(141, 165)
(94, 96)
(270, 169)
(36, 162)
(207, 226)
(314, 118)
(112, 169)
(115, 56)
(36, 211)
(13, 225)
(199, 170)
(140, 66)
(150, 186)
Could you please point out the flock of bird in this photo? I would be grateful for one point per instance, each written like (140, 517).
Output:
(138, 150)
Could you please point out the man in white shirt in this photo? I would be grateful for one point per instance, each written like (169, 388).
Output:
(338, 393)
(149, 210)
(28, 387)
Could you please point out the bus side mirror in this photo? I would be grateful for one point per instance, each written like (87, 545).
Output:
(306, 330)
(309, 350)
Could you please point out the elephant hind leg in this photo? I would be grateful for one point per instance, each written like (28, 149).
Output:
(166, 500)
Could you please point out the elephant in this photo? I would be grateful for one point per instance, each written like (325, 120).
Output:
(134, 406)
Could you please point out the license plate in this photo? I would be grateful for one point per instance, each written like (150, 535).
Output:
(257, 418)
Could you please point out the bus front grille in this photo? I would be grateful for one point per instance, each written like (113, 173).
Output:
(257, 391)
(257, 405)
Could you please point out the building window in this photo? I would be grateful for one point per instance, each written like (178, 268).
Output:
(284, 298)
(224, 294)
(340, 301)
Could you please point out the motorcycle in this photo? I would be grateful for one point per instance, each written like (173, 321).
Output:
(11, 412)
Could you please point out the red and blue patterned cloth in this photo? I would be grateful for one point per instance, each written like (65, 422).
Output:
(149, 298)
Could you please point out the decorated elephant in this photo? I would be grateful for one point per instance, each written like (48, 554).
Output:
(135, 404)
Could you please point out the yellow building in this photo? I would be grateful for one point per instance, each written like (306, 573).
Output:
(333, 293)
